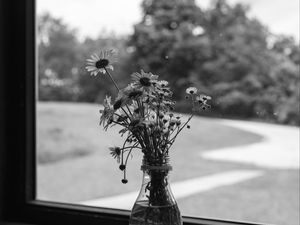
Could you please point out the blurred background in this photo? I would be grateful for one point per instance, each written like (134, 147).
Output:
(245, 54)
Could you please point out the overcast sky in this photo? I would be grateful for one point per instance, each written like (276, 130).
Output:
(90, 17)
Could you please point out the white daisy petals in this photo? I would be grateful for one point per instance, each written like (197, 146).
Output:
(99, 63)
(191, 90)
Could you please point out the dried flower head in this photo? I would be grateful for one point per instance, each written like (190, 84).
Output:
(116, 153)
(163, 83)
(191, 90)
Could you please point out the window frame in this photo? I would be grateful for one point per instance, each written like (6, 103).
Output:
(17, 185)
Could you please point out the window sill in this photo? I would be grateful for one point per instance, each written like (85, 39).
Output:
(79, 215)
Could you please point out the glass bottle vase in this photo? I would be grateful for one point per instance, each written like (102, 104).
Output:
(155, 204)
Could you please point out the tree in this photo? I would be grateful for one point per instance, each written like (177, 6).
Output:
(62, 73)
(158, 38)
(286, 80)
(58, 59)
(237, 70)
(221, 50)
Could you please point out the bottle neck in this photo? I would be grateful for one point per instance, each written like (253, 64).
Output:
(165, 168)
(156, 185)
(156, 164)
(158, 173)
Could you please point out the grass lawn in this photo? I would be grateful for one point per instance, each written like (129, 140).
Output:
(67, 130)
(74, 165)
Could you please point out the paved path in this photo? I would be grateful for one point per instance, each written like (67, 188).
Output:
(279, 148)
(181, 189)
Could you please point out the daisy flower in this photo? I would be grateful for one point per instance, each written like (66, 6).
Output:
(118, 103)
(191, 90)
(131, 92)
(203, 98)
(101, 62)
(144, 80)
(163, 83)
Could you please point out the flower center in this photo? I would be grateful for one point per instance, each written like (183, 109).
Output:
(135, 94)
(118, 104)
(102, 63)
(145, 81)
(117, 151)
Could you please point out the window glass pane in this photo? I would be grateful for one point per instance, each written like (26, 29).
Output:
(238, 161)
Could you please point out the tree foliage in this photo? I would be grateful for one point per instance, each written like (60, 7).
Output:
(57, 48)
(62, 74)
(224, 52)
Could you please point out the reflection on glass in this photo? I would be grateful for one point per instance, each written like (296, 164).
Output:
(241, 163)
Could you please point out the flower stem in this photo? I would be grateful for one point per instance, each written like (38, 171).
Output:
(112, 79)
(173, 139)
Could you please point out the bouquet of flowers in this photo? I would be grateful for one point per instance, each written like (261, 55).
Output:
(144, 111)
